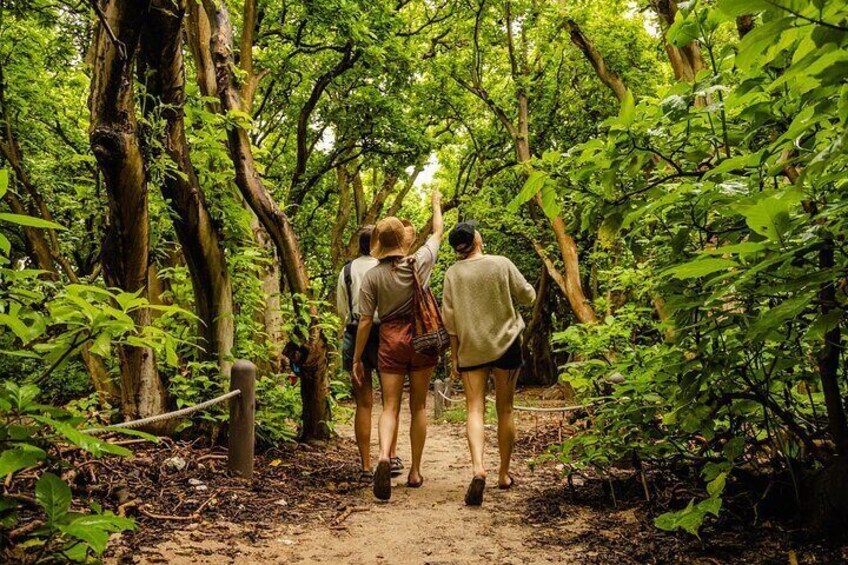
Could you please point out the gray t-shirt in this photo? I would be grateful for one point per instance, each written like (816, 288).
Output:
(387, 288)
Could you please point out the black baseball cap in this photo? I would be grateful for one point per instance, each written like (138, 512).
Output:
(461, 237)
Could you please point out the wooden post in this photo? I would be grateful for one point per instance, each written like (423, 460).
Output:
(438, 401)
(242, 419)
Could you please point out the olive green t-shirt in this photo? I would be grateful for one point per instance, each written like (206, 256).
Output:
(387, 288)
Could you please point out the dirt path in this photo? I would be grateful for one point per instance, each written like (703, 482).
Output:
(430, 525)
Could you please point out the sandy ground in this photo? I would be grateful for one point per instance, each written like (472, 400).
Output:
(430, 525)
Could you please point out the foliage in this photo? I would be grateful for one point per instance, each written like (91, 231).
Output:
(30, 438)
(728, 194)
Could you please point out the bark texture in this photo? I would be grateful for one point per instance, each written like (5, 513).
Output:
(608, 76)
(113, 136)
(315, 377)
(540, 367)
(686, 61)
(162, 64)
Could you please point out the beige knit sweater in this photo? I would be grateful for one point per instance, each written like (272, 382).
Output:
(479, 307)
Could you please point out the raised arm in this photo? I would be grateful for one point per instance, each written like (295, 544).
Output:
(438, 222)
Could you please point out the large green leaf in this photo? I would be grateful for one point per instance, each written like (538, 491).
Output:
(531, 187)
(29, 221)
(93, 445)
(770, 217)
(94, 529)
(700, 268)
(20, 457)
(54, 496)
(776, 317)
(4, 182)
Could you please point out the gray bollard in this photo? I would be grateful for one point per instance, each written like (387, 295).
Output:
(242, 419)
(438, 400)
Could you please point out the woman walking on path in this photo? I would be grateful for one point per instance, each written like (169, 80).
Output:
(485, 330)
(347, 306)
(388, 288)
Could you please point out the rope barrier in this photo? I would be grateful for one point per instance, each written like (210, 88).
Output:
(523, 408)
(167, 416)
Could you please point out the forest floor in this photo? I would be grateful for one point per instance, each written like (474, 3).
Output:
(305, 507)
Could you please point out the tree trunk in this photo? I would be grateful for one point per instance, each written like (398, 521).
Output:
(315, 377)
(608, 76)
(686, 61)
(828, 357)
(567, 246)
(540, 367)
(338, 250)
(115, 144)
(162, 63)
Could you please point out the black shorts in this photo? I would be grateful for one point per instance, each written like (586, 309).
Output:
(511, 359)
(369, 356)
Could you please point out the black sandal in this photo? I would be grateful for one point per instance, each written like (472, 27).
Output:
(366, 476)
(383, 481)
(474, 494)
(397, 465)
(507, 486)
(419, 484)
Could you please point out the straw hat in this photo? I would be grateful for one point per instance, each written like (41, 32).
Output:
(389, 239)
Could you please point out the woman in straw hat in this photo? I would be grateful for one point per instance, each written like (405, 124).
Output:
(388, 288)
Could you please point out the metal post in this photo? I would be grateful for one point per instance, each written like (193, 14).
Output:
(438, 401)
(242, 419)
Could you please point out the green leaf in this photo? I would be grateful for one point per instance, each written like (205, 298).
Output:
(93, 445)
(700, 268)
(627, 113)
(744, 248)
(20, 457)
(94, 529)
(531, 187)
(716, 486)
(29, 221)
(4, 182)
(54, 496)
(102, 345)
(734, 8)
(94, 538)
(776, 317)
(550, 203)
(770, 216)
(711, 505)
(683, 31)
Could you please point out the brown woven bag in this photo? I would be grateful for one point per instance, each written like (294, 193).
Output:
(428, 330)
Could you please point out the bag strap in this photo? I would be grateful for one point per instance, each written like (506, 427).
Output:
(348, 280)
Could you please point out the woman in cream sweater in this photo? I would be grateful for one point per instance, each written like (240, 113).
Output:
(479, 310)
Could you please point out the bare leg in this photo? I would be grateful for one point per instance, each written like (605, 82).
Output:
(475, 402)
(362, 421)
(392, 386)
(394, 439)
(419, 385)
(504, 396)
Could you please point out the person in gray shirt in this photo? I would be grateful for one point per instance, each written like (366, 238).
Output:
(347, 306)
(479, 310)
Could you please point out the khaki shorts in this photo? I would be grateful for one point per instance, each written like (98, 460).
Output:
(396, 355)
